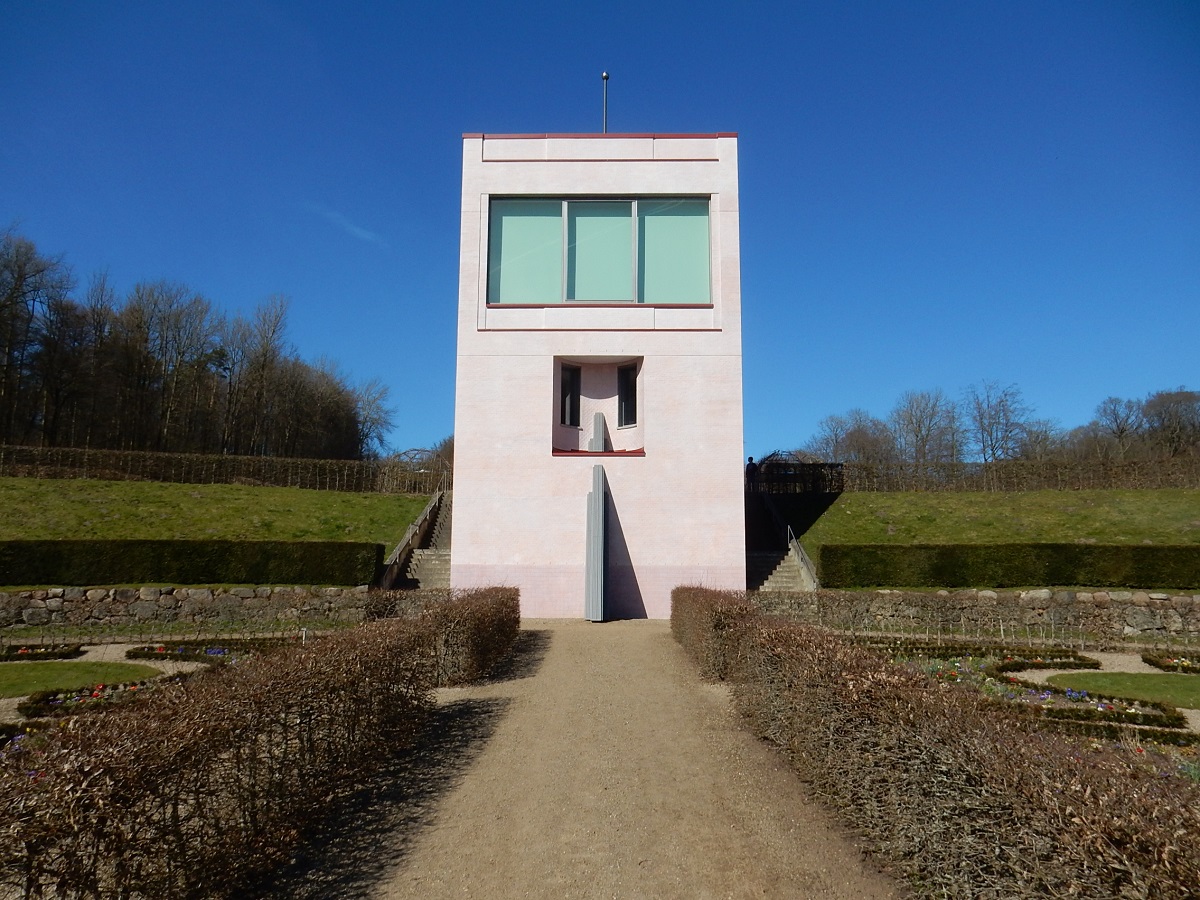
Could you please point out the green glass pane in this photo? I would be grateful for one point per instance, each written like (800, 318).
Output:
(525, 251)
(673, 251)
(600, 250)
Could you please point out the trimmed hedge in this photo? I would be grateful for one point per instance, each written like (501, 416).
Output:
(965, 798)
(1008, 565)
(475, 629)
(94, 562)
(199, 789)
(709, 625)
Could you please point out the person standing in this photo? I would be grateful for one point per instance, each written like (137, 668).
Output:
(751, 474)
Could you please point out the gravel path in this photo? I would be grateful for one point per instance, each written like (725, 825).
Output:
(616, 773)
(600, 767)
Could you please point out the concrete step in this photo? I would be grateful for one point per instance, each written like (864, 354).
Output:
(761, 566)
(773, 572)
(441, 529)
(430, 568)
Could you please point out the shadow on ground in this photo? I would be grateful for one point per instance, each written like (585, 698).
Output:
(370, 831)
(525, 659)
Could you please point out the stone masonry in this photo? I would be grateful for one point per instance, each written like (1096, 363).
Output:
(136, 605)
(1106, 613)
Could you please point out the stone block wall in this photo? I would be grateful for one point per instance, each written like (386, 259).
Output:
(147, 605)
(1137, 615)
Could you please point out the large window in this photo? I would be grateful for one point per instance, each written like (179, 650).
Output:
(651, 250)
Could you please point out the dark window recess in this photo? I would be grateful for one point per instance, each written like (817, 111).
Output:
(626, 396)
(569, 400)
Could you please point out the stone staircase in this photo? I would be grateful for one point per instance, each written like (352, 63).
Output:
(429, 565)
(773, 571)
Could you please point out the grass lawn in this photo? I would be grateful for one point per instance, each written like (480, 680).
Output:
(1103, 517)
(1175, 689)
(55, 509)
(19, 679)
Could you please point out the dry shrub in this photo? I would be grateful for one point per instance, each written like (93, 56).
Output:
(963, 798)
(710, 625)
(473, 631)
(201, 787)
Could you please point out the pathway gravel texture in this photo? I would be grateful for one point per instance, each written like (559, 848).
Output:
(601, 767)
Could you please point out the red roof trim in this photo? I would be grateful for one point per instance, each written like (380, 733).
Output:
(508, 137)
(639, 452)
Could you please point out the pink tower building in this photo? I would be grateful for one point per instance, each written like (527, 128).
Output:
(598, 409)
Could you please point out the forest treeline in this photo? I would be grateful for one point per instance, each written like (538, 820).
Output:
(992, 423)
(161, 369)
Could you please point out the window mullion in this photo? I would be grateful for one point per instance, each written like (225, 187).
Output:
(566, 250)
(633, 237)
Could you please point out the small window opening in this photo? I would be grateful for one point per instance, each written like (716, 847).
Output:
(569, 398)
(626, 396)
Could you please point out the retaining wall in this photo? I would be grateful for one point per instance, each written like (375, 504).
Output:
(136, 605)
(1110, 614)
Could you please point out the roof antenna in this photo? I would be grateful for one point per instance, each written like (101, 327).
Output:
(604, 76)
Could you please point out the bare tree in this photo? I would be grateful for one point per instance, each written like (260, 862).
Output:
(997, 416)
(1173, 421)
(58, 364)
(374, 418)
(28, 282)
(829, 442)
(1123, 420)
(1087, 442)
(926, 427)
(1041, 439)
(856, 437)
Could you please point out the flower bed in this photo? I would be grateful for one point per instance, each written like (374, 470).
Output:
(32, 652)
(54, 704)
(1170, 663)
(213, 652)
(990, 676)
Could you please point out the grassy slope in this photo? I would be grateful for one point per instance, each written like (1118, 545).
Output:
(84, 508)
(1103, 517)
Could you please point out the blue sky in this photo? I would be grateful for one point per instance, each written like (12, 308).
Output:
(932, 194)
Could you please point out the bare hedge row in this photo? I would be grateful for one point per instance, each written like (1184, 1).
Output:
(201, 787)
(416, 472)
(961, 797)
(1025, 475)
(785, 477)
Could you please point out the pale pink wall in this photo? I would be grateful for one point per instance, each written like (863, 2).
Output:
(677, 512)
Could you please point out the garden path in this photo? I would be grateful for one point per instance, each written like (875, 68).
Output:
(611, 770)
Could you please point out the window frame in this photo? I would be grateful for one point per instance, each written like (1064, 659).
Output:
(568, 265)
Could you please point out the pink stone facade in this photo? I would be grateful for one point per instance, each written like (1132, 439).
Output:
(521, 477)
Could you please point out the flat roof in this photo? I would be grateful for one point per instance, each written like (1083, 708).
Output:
(503, 137)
